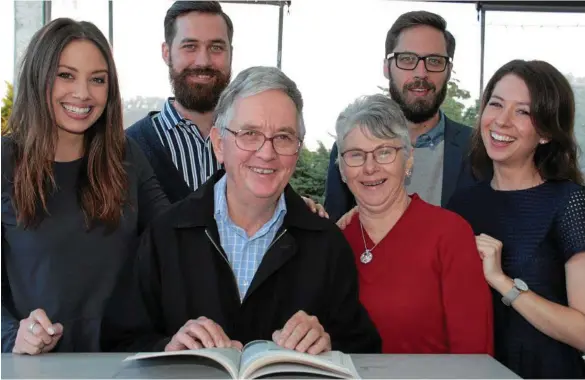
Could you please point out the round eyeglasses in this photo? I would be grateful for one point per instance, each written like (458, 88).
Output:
(285, 144)
(434, 63)
(382, 155)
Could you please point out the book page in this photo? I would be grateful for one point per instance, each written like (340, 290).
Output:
(254, 349)
(286, 368)
(229, 358)
(260, 354)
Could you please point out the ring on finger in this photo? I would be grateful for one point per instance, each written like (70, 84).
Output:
(31, 327)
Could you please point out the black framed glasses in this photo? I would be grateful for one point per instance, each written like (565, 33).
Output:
(285, 144)
(383, 155)
(434, 63)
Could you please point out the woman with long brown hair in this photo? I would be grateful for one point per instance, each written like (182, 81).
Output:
(529, 219)
(75, 192)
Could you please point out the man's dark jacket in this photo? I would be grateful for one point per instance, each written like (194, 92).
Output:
(182, 273)
(169, 177)
(456, 171)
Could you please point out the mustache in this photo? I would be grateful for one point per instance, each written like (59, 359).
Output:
(420, 83)
(200, 71)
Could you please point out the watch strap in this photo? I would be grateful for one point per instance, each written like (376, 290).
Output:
(509, 297)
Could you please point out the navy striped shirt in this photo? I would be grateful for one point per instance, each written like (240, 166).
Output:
(191, 153)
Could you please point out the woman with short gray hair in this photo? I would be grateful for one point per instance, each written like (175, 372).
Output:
(420, 276)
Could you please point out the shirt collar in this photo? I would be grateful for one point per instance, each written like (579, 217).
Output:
(197, 210)
(170, 116)
(434, 136)
(220, 202)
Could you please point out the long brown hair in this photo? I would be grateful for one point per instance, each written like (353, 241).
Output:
(102, 182)
(552, 112)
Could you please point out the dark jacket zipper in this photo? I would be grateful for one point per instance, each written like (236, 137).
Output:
(223, 255)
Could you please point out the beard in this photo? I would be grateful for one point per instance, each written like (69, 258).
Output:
(420, 110)
(198, 97)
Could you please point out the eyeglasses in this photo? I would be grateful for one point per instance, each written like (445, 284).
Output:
(285, 144)
(383, 155)
(408, 61)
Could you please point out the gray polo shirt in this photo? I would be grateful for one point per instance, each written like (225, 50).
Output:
(427, 172)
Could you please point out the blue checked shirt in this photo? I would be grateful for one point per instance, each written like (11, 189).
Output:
(244, 253)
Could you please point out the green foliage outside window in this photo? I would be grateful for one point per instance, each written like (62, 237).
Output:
(7, 107)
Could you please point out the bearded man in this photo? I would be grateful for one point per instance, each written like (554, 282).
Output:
(198, 51)
(418, 64)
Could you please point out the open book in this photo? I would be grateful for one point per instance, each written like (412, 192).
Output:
(260, 358)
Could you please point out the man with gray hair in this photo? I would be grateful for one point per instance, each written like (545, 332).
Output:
(243, 258)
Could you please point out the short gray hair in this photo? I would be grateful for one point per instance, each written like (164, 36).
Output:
(253, 81)
(379, 115)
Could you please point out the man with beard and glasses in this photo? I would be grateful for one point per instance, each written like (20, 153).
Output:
(198, 52)
(418, 63)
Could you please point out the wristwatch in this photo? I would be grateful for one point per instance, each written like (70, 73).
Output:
(519, 287)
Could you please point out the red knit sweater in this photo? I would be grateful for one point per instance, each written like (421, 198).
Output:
(424, 288)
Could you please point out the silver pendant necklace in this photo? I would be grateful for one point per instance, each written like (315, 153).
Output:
(367, 255)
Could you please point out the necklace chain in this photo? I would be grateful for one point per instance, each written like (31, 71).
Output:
(367, 255)
(364, 239)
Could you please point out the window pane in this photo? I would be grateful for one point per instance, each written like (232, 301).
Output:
(7, 33)
(20, 21)
(255, 35)
(143, 75)
(544, 36)
(95, 11)
(335, 53)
